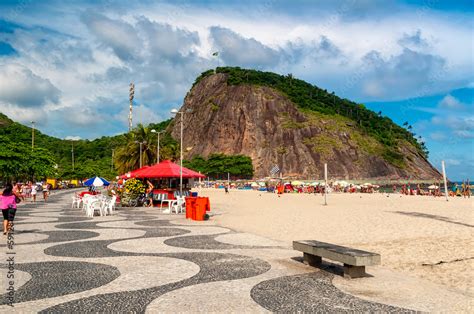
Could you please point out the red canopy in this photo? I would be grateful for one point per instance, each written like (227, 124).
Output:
(131, 174)
(166, 169)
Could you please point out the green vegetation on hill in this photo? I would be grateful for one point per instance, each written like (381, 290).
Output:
(313, 98)
(218, 165)
(91, 157)
(52, 157)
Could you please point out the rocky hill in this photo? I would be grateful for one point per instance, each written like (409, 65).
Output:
(279, 120)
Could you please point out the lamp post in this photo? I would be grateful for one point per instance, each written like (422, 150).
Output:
(32, 134)
(158, 145)
(175, 111)
(72, 155)
(112, 163)
(141, 144)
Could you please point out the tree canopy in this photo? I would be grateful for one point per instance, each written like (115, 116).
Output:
(20, 161)
(218, 165)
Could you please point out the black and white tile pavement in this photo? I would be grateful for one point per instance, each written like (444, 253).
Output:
(142, 260)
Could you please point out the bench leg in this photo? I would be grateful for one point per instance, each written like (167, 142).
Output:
(354, 271)
(311, 260)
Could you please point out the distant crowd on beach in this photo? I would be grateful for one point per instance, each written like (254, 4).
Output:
(279, 188)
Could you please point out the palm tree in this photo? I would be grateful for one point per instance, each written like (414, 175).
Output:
(127, 157)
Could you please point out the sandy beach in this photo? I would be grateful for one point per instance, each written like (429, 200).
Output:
(417, 236)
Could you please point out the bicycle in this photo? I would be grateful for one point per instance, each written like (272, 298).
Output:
(141, 200)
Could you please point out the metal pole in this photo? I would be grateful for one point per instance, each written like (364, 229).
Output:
(181, 159)
(444, 178)
(112, 163)
(325, 183)
(33, 134)
(141, 143)
(228, 179)
(158, 149)
(72, 153)
(131, 95)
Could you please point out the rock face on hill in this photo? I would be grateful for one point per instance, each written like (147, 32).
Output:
(264, 124)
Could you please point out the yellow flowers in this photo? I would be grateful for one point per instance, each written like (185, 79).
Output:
(134, 187)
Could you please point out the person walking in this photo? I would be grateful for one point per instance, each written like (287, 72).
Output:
(45, 192)
(24, 189)
(8, 206)
(34, 191)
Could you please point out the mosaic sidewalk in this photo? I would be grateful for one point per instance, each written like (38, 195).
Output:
(140, 260)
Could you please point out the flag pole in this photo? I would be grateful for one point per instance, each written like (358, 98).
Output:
(325, 183)
(444, 178)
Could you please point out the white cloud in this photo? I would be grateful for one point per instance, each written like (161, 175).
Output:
(438, 136)
(117, 34)
(26, 114)
(21, 87)
(234, 49)
(72, 138)
(91, 52)
(450, 102)
(453, 162)
(413, 41)
(141, 114)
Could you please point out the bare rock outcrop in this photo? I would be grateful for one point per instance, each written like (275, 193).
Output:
(264, 124)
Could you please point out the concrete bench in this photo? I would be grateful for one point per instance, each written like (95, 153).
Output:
(354, 260)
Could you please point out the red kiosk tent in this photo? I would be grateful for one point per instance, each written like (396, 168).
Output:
(131, 174)
(166, 169)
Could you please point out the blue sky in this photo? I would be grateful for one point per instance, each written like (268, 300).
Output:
(68, 65)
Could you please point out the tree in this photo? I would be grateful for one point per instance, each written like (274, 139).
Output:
(218, 165)
(20, 162)
(127, 156)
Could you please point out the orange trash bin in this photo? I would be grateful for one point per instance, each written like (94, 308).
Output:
(190, 207)
(200, 208)
(208, 205)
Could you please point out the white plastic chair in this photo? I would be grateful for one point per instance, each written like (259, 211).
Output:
(76, 201)
(95, 205)
(85, 201)
(163, 198)
(110, 205)
(178, 205)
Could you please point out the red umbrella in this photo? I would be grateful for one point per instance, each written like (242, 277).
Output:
(166, 169)
(131, 174)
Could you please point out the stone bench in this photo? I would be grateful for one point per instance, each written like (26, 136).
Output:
(354, 260)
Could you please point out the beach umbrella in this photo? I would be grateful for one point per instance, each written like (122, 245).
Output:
(96, 181)
(254, 184)
(297, 183)
(433, 187)
(261, 183)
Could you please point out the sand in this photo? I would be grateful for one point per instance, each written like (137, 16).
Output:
(417, 236)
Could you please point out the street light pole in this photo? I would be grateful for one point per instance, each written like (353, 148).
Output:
(158, 145)
(175, 111)
(141, 143)
(181, 159)
(32, 134)
(72, 155)
(112, 163)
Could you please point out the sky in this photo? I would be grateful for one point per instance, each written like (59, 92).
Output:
(67, 64)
